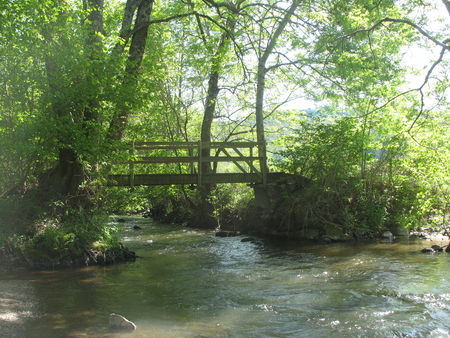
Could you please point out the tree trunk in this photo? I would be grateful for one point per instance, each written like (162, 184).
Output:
(260, 88)
(213, 90)
(135, 56)
(212, 95)
(64, 180)
(447, 5)
(259, 112)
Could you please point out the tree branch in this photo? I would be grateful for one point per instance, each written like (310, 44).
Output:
(443, 44)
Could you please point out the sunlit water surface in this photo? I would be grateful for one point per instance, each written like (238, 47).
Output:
(189, 283)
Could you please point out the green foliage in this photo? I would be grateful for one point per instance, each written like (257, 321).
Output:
(374, 177)
(75, 241)
(230, 203)
(127, 200)
(62, 87)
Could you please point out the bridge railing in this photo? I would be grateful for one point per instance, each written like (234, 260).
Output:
(242, 154)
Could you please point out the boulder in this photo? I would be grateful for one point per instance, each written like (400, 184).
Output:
(401, 232)
(118, 322)
(437, 248)
(428, 250)
(387, 235)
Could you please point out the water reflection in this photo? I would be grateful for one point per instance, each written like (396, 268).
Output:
(189, 283)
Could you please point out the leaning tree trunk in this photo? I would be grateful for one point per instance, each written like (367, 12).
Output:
(135, 56)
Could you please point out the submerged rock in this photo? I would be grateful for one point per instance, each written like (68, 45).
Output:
(118, 322)
(427, 250)
(120, 220)
(248, 239)
(137, 227)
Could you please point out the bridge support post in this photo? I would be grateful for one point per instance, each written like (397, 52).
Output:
(200, 163)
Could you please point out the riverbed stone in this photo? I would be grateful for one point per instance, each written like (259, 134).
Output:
(137, 227)
(427, 250)
(118, 322)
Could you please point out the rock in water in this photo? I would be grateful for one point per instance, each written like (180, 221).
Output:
(227, 233)
(137, 227)
(437, 248)
(427, 250)
(387, 235)
(118, 322)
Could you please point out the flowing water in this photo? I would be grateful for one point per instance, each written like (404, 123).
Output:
(189, 283)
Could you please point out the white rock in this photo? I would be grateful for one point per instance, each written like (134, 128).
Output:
(387, 234)
(118, 322)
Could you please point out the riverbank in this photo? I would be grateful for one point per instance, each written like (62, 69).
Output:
(55, 248)
(74, 243)
(287, 222)
(299, 209)
(13, 256)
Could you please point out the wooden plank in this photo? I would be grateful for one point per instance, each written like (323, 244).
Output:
(179, 159)
(166, 147)
(194, 144)
(249, 162)
(183, 179)
(240, 144)
(229, 158)
(189, 159)
(229, 144)
(236, 163)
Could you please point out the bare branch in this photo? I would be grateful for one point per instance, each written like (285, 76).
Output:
(443, 44)
(420, 89)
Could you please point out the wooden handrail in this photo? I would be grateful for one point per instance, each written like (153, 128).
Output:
(192, 159)
(190, 145)
(233, 151)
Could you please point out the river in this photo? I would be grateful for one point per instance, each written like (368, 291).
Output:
(188, 283)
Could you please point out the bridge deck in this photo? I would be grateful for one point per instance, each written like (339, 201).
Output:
(186, 179)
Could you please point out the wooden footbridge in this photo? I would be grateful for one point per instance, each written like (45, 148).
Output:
(191, 163)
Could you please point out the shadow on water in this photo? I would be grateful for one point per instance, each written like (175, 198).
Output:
(190, 283)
